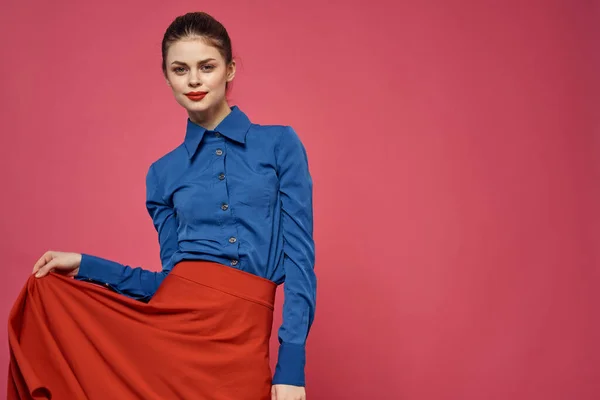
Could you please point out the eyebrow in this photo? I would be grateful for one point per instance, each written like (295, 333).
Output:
(199, 62)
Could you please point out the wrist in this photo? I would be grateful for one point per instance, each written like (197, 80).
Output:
(78, 258)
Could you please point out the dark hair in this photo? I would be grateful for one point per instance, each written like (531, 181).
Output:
(198, 24)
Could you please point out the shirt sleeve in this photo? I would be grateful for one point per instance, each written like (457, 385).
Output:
(295, 186)
(138, 283)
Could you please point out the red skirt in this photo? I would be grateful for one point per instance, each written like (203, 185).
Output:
(204, 335)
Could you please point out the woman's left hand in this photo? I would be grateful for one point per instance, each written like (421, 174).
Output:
(287, 392)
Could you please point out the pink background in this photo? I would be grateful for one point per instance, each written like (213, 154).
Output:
(454, 148)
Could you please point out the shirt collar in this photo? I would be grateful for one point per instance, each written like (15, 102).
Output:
(234, 126)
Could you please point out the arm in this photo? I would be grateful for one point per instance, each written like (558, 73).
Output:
(138, 283)
(300, 285)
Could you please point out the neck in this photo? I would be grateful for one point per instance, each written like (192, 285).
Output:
(210, 118)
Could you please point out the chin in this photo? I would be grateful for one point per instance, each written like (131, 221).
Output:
(197, 107)
(208, 103)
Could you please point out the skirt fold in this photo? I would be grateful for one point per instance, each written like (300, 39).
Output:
(204, 335)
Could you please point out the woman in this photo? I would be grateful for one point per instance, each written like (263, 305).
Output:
(232, 206)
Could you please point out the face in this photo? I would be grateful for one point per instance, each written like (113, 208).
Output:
(197, 74)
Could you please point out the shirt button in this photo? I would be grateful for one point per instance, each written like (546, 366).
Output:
(219, 152)
(217, 134)
(221, 176)
(232, 240)
(234, 262)
(224, 207)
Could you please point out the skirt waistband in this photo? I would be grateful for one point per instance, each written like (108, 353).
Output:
(227, 279)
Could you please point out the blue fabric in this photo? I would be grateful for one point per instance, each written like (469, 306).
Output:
(239, 195)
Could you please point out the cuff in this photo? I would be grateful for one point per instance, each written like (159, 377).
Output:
(99, 269)
(290, 365)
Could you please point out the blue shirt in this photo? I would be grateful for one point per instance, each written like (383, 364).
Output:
(239, 195)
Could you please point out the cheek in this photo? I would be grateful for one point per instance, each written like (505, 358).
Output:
(215, 82)
(176, 84)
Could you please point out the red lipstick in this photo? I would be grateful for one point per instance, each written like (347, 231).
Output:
(196, 96)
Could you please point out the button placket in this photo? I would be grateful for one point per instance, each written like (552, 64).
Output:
(220, 156)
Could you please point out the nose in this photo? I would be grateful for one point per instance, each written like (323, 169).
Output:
(194, 80)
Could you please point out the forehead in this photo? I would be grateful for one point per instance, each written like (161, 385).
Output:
(192, 50)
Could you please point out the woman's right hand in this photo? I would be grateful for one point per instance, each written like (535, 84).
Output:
(58, 261)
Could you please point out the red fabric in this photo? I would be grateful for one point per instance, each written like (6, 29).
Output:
(204, 335)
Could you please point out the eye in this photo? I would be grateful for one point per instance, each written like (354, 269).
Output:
(207, 68)
(179, 70)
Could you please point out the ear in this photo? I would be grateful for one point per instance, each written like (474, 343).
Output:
(231, 71)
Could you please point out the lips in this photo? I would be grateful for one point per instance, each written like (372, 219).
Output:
(196, 96)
